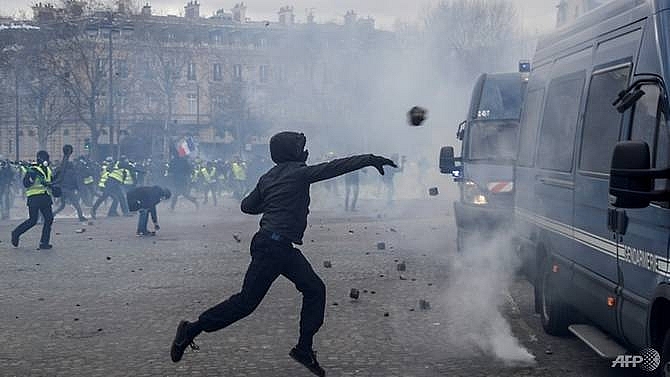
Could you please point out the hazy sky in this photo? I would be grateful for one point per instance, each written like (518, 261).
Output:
(537, 14)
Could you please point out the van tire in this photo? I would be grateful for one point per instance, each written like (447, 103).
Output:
(554, 313)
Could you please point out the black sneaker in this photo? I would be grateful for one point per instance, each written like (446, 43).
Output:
(45, 246)
(181, 342)
(15, 240)
(308, 359)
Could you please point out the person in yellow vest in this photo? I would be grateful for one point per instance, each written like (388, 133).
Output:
(113, 189)
(239, 171)
(208, 173)
(39, 190)
(129, 175)
(86, 180)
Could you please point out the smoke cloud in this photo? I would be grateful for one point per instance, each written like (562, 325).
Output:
(479, 281)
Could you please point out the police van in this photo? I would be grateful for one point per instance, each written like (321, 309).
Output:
(592, 200)
(484, 171)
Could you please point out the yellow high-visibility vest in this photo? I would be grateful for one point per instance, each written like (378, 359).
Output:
(128, 175)
(117, 173)
(239, 172)
(212, 174)
(103, 176)
(39, 186)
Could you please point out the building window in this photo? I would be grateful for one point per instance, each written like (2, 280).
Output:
(262, 43)
(100, 65)
(101, 100)
(151, 102)
(192, 103)
(217, 104)
(148, 69)
(66, 132)
(263, 73)
(237, 71)
(217, 72)
(122, 68)
(122, 102)
(191, 71)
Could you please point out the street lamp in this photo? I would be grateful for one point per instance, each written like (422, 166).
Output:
(17, 96)
(110, 25)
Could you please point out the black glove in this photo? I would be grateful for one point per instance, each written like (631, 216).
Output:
(378, 162)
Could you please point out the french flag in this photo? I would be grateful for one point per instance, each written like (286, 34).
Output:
(183, 148)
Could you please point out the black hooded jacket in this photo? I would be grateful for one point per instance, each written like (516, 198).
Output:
(144, 197)
(282, 194)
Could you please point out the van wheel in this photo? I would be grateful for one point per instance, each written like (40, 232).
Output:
(554, 313)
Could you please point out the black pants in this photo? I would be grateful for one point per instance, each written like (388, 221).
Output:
(36, 204)
(207, 188)
(186, 193)
(112, 189)
(70, 196)
(269, 259)
(113, 208)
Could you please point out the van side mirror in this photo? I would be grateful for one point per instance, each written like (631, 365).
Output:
(631, 180)
(447, 160)
(461, 130)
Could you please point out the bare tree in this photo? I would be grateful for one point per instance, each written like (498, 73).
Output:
(474, 34)
(165, 63)
(81, 64)
(45, 104)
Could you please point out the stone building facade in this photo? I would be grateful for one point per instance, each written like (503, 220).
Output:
(225, 81)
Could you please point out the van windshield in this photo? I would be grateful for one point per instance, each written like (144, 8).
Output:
(501, 98)
(495, 141)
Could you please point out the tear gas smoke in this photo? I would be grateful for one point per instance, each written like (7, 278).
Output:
(478, 284)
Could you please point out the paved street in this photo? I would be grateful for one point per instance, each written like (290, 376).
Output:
(106, 303)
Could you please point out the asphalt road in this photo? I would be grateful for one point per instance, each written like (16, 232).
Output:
(106, 303)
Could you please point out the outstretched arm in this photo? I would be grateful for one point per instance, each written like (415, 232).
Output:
(340, 166)
(253, 203)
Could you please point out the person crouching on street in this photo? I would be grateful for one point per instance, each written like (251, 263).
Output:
(38, 183)
(282, 197)
(144, 199)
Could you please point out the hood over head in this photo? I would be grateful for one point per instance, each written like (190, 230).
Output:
(165, 193)
(288, 146)
(42, 158)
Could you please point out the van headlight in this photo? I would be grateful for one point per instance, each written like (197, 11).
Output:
(473, 194)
